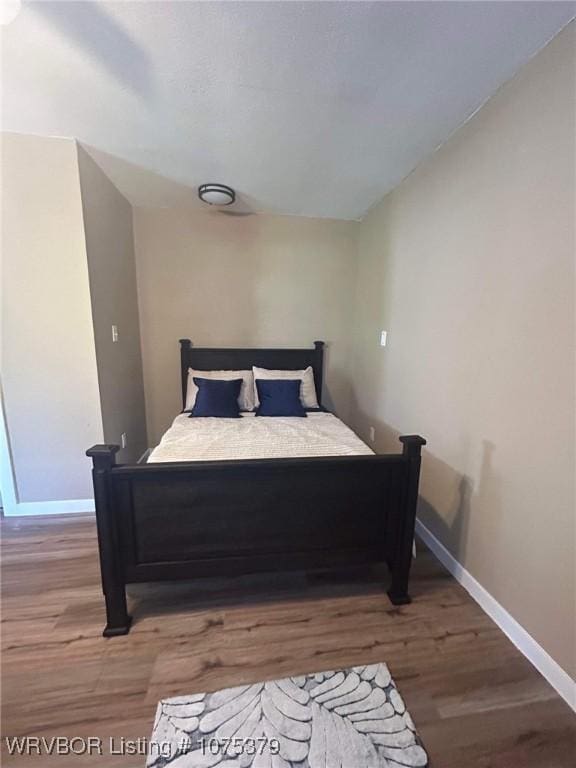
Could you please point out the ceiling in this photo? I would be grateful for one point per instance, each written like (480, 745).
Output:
(305, 108)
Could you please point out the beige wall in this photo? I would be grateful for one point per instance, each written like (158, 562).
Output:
(469, 265)
(239, 281)
(47, 352)
(112, 271)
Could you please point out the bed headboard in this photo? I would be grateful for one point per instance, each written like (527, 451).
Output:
(220, 359)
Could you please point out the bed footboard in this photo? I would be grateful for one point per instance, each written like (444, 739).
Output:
(171, 521)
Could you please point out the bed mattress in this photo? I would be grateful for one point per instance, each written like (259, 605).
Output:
(250, 437)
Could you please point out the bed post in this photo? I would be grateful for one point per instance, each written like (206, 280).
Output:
(319, 369)
(400, 567)
(185, 345)
(117, 619)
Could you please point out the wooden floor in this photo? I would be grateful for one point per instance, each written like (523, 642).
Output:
(476, 701)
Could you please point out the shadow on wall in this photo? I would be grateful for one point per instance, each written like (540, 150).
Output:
(335, 379)
(448, 498)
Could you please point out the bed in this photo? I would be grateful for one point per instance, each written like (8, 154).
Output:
(250, 437)
(258, 495)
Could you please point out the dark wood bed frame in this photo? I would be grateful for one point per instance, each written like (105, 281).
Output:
(184, 520)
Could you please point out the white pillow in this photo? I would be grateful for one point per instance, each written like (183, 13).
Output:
(245, 398)
(307, 390)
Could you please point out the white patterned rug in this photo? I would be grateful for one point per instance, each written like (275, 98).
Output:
(351, 718)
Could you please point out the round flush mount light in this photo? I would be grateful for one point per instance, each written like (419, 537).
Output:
(216, 194)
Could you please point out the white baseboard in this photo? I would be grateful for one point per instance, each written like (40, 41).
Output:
(66, 506)
(544, 663)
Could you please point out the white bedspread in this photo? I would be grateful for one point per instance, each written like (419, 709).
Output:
(320, 434)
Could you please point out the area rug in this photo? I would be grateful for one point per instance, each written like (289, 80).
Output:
(349, 718)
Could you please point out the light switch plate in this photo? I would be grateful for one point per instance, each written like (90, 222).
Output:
(383, 338)
(124, 440)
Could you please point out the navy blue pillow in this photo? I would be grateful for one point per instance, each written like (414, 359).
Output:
(279, 397)
(216, 397)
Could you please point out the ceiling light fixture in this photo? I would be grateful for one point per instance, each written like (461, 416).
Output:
(216, 194)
